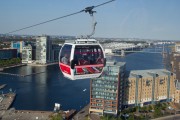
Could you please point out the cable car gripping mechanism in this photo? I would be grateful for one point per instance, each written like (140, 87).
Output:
(91, 12)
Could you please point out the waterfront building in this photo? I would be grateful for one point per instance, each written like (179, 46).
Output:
(43, 49)
(105, 91)
(177, 47)
(177, 92)
(18, 45)
(175, 61)
(8, 54)
(27, 54)
(55, 52)
(149, 86)
(108, 51)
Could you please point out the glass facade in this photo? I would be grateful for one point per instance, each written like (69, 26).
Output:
(8, 53)
(105, 90)
(18, 45)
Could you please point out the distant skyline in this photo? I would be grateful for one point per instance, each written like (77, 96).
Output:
(153, 19)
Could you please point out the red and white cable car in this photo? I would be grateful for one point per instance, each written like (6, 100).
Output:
(82, 59)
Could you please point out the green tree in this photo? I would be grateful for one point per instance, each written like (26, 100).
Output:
(57, 116)
(13, 61)
(150, 108)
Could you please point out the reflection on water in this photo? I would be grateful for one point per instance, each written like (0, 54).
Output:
(41, 91)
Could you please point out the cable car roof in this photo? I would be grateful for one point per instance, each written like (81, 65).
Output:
(82, 41)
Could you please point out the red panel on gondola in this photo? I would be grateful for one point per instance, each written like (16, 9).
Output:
(79, 71)
(65, 68)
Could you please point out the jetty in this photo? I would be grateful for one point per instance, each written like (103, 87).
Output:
(6, 100)
(2, 86)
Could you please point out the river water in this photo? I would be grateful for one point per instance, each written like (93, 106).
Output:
(42, 91)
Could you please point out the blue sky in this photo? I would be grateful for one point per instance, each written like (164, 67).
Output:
(149, 19)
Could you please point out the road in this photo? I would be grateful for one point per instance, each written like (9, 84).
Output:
(172, 117)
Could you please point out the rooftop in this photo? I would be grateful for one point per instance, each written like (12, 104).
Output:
(147, 73)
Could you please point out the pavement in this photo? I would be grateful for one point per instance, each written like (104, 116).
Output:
(13, 114)
(171, 117)
(82, 114)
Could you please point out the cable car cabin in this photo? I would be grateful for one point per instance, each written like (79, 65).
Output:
(82, 59)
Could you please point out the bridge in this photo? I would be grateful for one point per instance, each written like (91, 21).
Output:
(144, 52)
(155, 50)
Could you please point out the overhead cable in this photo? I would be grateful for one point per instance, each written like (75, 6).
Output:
(84, 10)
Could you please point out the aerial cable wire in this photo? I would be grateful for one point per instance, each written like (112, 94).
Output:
(87, 9)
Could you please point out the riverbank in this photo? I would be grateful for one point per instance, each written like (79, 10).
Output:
(6, 100)
(40, 65)
(7, 113)
(12, 66)
(26, 115)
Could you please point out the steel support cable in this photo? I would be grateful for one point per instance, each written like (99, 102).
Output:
(87, 9)
(44, 22)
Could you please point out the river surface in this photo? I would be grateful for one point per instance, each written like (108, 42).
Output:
(42, 91)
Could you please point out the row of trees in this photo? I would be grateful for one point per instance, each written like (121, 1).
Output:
(141, 113)
(13, 61)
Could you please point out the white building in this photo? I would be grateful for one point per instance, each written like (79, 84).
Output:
(177, 47)
(108, 51)
(27, 54)
(43, 49)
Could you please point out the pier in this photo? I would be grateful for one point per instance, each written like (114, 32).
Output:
(6, 100)
(2, 86)
(20, 75)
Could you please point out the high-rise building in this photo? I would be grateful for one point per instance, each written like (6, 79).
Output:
(27, 54)
(105, 91)
(18, 45)
(175, 61)
(43, 49)
(177, 47)
(149, 86)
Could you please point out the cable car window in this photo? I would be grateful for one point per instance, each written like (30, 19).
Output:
(88, 59)
(65, 54)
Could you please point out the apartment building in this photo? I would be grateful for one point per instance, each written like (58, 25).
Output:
(175, 61)
(149, 86)
(105, 91)
(43, 49)
(27, 54)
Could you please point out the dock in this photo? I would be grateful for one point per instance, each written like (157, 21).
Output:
(6, 100)
(2, 86)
